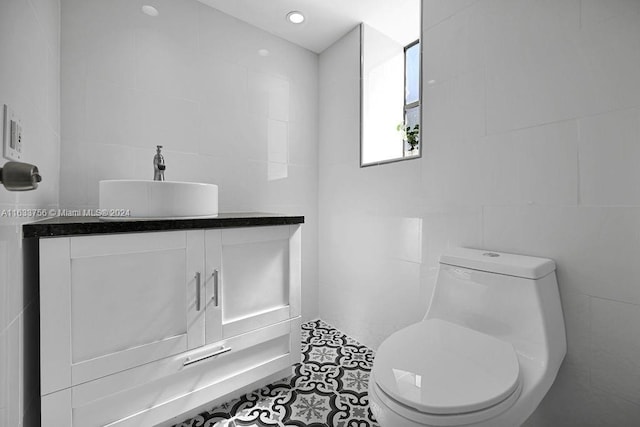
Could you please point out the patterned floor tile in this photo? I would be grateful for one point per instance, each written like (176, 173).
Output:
(328, 389)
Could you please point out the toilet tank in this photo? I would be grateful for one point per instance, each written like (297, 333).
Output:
(511, 297)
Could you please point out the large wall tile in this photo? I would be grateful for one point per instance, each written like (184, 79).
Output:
(73, 174)
(576, 308)
(107, 161)
(4, 283)
(53, 91)
(171, 122)
(8, 198)
(15, 373)
(341, 123)
(107, 47)
(371, 285)
(593, 12)
(166, 66)
(436, 11)
(224, 132)
(339, 101)
(300, 152)
(459, 182)
(304, 86)
(215, 29)
(449, 227)
(73, 97)
(536, 165)
(534, 75)
(593, 247)
(611, 61)
(455, 109)
(609, 158)
(454, 46)
(111, 117)
(4, 383)
(548, 164)
(223, 84)
(401, 197)
(560, 73)
(30, 70)
(572, 403)
(48, 15)
(615, 345)
(25, 52)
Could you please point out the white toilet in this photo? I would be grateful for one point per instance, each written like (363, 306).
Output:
(486, 352)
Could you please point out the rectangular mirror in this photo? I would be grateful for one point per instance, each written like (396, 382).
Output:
(390, 87)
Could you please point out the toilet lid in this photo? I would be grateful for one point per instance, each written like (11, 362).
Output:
(438, 367)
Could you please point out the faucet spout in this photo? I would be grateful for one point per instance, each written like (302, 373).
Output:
(158, 165)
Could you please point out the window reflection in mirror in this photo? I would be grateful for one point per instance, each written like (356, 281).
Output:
(390, 90)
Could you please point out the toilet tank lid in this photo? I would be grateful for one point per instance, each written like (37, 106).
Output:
(524, 266)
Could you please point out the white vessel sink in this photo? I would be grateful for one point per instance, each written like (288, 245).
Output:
(135, 199)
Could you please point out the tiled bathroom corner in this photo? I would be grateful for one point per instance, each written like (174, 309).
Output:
(328, 389)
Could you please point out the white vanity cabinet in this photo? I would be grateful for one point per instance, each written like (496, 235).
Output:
(137, 328)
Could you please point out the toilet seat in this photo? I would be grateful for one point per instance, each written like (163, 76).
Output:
(439, 368)
(396, 414)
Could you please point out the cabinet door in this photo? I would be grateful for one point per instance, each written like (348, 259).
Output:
(118, 301)
(260, 277)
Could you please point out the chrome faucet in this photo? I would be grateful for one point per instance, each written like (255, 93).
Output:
(158, 165)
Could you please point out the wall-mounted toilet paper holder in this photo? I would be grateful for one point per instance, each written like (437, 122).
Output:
(17, 176)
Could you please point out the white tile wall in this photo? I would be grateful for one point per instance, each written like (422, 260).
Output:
(441, 10)
(192, 81)
(615, 367)
(30, 83)
(572, 403)
(531, 132)
(609, 157)
(594, 12)
(596, 247)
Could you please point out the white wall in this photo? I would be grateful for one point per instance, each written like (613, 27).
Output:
(193, 81)
(30, 83)
(531, 137)
(370, 232)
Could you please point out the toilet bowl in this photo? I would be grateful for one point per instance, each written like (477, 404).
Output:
(486, 353)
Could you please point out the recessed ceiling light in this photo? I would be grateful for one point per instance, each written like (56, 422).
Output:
(295, 17)
(150, 10)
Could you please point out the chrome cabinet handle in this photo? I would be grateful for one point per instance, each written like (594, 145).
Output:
(215, 298)
(198, 291)
(207, 356)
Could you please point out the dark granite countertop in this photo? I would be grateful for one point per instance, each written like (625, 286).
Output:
(79, 225)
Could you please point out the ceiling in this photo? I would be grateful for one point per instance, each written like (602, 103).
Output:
(326, 20)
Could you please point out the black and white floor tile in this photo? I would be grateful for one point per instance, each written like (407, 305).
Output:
(327, 389)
